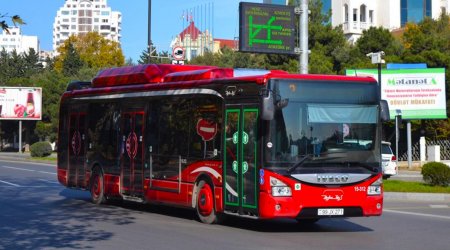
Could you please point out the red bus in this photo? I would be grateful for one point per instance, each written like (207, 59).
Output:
(254, 143)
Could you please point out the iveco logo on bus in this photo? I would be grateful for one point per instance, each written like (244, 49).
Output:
(332, 178)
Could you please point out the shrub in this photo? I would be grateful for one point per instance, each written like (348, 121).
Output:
(40, 149)
(436, 174)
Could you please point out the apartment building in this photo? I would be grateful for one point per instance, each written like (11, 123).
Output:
(15, 40)
(355, 16)
(82, 16)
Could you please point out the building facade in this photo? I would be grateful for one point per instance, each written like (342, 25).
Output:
(355, 16)
(193, 41)
(82, 16)
(15, 40)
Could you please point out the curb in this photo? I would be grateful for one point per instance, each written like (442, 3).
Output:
(434, 197)
(24, 158)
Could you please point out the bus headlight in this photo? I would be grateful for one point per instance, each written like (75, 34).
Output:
(375, 187)
(279, 188)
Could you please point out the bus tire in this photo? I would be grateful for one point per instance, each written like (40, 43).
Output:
(205, 203)
(97, 187)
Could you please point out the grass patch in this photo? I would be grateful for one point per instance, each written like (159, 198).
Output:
(47, 159)
(413, 187)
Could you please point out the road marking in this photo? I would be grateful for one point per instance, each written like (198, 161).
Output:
(46, 172)
(28, 186)
(23, 169)
(439, 206)
(417, 214)
(29, 170)
(9, 183)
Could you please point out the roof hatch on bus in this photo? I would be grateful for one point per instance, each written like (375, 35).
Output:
(153, 73)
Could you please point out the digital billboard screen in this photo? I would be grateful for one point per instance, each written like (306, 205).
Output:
(266, 28)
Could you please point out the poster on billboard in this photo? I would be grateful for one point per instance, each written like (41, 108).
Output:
(417, 93)
(20, 103)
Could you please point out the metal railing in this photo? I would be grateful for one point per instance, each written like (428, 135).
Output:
(444, 150)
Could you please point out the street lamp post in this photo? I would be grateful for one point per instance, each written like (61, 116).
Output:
(398, 121)
(377, 58)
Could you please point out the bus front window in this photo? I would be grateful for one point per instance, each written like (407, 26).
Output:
(330, 132)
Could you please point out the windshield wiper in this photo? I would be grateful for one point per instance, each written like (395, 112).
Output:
(300, 163)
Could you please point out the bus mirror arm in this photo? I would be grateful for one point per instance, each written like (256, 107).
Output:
(384, 111)
(267, 106)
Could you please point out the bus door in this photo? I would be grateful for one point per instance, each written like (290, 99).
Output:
(240, 159)
(132, 171)
(77, 138)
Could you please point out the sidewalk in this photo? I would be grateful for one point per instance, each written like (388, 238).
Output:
(16, 156)
(407, 175)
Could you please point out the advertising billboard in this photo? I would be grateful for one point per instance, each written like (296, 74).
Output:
(266, 28)
(417, 93)
(20, 103)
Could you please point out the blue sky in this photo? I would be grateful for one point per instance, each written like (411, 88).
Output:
(166, 20)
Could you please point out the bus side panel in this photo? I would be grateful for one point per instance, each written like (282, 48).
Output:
(218, 199)
(63, 144)
(112, 185)
(62, 176)
(170, 197)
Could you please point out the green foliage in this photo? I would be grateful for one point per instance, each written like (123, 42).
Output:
(412, 187)
(377, 39)
(41, 149)
(436, 174)
(14, 65)
(16, 20)
(43, 130)
(72, 62)
(94, 50)
(157, 58)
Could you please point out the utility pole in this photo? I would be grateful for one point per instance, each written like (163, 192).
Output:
(303, 37)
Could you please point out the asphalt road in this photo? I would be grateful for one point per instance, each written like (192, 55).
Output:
(38, 213)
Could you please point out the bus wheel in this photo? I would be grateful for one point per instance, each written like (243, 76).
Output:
(97, 192)
(205, 203)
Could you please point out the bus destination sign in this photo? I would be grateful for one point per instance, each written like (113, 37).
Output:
(266, 28)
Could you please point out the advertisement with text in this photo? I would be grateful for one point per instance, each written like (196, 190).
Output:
(20, 103)
(417, 93)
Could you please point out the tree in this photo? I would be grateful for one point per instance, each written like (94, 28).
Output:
(328, 44)
(15, 19)
(31, 63)
(377, 39)
(72, 62)
(428, 42)
(94, 50)
(156, 58)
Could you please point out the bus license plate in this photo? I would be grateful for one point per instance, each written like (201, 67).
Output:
(330, 211)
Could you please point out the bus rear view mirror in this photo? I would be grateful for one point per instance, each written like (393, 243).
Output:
(384, 111)
(267, 107)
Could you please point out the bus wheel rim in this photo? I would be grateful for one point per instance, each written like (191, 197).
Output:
(96, 186)
(205, 203)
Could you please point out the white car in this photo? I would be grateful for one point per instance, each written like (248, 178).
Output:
(388, 160)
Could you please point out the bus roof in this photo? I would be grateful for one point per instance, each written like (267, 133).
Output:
(165, 73)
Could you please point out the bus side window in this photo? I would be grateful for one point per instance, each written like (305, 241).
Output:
(206, 122)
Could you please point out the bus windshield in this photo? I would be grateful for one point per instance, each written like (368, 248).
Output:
(332, 123)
